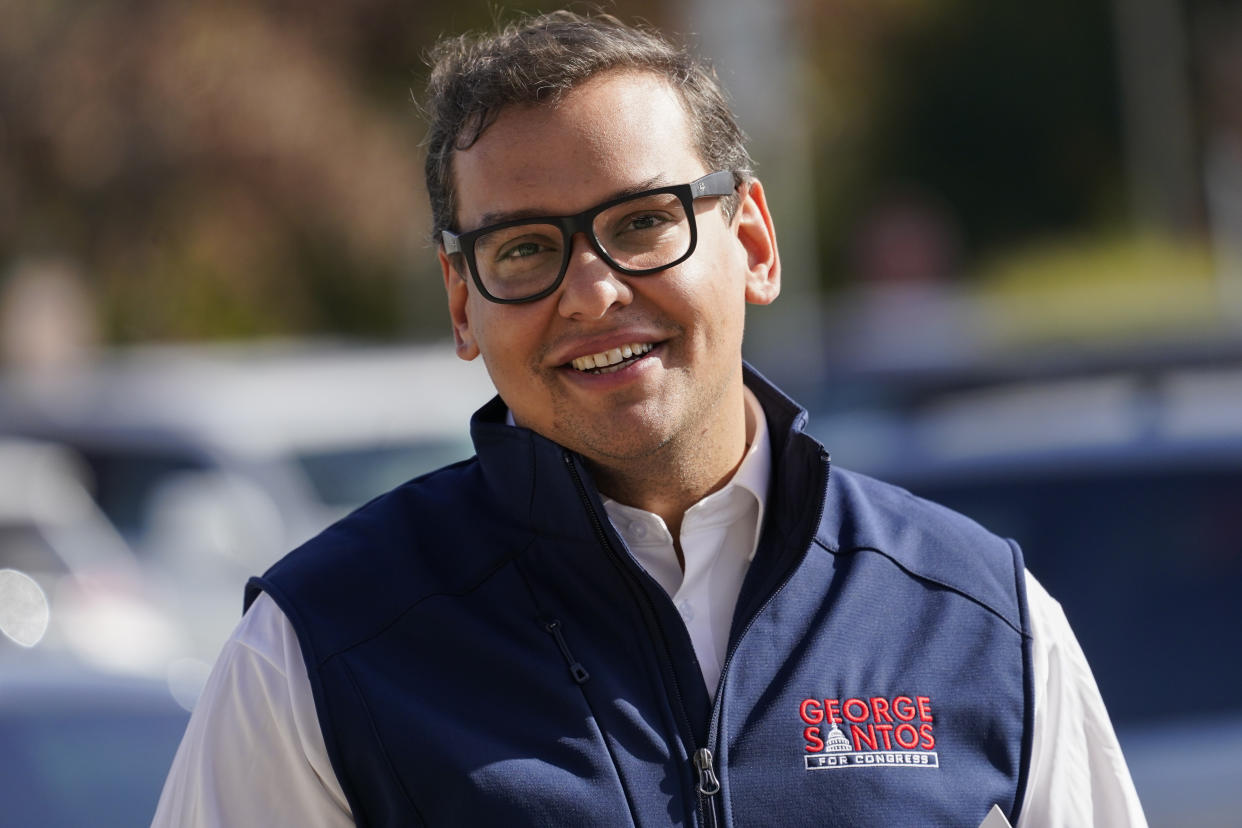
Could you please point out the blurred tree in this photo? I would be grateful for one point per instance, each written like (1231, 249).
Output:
(254, 168)
(229, 169)
(1005, 114)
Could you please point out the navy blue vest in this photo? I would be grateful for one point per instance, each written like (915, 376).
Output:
(484, 650)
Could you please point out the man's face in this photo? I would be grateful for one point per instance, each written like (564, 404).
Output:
(615, 134)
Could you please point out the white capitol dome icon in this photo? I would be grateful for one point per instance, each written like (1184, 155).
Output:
(837, 743)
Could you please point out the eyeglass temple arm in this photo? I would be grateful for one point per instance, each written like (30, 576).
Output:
(713, 184)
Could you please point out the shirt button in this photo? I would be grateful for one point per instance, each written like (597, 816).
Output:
(686, 609)
(639, 530)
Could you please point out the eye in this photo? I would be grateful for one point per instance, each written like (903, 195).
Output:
(518, 245)
(639, 222)
(644, 222)
(521, 250)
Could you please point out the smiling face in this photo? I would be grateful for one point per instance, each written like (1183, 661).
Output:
(618, 368)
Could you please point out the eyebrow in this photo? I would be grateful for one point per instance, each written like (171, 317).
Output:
(501, 216)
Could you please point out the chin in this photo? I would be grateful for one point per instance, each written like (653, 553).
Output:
(633, 448)
(627, 435)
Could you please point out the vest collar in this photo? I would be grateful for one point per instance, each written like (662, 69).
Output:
(537, 479)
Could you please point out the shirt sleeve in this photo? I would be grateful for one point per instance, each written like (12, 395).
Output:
(253, 753)
(1078, 776)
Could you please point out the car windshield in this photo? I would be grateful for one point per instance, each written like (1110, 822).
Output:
(351, 476)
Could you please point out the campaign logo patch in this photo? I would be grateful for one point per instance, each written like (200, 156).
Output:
(870, 732)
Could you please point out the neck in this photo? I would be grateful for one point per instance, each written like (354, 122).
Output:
(681, 472)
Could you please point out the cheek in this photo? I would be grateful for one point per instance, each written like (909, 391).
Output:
(483, 323)
(719, 297)
(508, 336)
(484, 329)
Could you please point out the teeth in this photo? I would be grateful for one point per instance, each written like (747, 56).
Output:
(607, 359)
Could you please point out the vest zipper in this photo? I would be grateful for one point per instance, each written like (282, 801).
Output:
(706, 806)
(714, 724)
(579, 673)
(708, 785)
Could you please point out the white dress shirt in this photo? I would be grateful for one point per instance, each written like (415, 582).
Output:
(256, 718)
(719, 536)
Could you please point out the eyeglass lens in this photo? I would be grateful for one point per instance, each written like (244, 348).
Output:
(643, 233)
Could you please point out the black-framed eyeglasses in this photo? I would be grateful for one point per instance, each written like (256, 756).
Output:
(526, 259)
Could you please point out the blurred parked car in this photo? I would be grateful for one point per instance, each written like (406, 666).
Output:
(83, 748)
(211, 462)
(1122, 481)
(291, 434)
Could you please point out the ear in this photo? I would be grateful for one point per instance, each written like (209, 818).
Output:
(458, 294)
(758, 238)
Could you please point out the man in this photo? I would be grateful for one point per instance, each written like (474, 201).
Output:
(647, 600)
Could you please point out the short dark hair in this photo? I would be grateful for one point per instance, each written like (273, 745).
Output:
(537, 60)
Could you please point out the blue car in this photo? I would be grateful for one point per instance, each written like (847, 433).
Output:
(1123, 483)
(82, 748)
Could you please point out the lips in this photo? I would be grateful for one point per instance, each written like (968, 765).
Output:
(614, 359)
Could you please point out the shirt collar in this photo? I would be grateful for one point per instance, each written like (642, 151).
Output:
(755, 471)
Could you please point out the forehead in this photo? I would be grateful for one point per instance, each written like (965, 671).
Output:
(603, 137)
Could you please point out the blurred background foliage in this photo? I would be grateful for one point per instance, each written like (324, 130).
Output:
(253, 169)
(1002, 116)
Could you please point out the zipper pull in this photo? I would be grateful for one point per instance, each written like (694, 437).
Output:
(708, 785)
(576, 669)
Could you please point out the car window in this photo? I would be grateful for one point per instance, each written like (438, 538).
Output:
(124, 478)
(350, 477)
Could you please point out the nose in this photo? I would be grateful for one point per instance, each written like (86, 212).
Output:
(591, 288)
